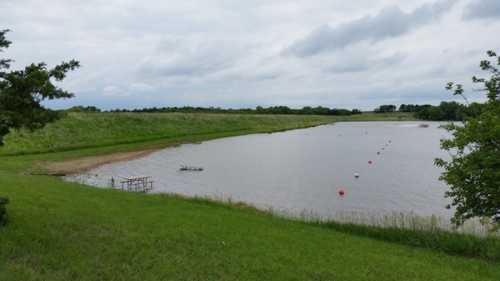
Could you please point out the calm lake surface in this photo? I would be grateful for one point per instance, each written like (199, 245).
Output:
(301, 171)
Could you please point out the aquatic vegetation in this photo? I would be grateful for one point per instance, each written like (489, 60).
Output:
(473, 239)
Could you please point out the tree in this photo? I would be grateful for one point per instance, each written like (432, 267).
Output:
(81, 108)
(22, 91)
(385, 108)
(473, 172)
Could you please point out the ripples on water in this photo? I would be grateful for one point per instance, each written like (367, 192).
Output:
(301, 171)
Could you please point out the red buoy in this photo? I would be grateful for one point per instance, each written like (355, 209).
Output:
(370, 162)
(341, 192)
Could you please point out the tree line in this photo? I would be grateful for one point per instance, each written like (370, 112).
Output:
(445, 111)
(307, 110)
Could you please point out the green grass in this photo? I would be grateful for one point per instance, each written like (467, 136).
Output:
(65, 231)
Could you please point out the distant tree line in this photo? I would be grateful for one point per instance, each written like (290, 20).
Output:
(385, 108)
(307, 110)
(80, 108)
(445, 111)
(449, 111)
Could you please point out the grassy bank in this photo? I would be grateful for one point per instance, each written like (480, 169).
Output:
(80, 130)
(83, 130)
(65, 231)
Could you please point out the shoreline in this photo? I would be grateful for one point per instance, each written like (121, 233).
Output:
(141, 149)
(138, 150)
(84, 164)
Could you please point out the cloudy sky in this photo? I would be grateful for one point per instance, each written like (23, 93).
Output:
(336, 53)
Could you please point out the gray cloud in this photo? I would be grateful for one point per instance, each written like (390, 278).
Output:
(191, 58)
(389, 22)
(229, 53)
(482, 9)
(359, 63)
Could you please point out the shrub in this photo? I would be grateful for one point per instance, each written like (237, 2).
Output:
(3, 211)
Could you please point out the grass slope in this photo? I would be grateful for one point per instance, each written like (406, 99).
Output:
(66, 231)
(81, 130)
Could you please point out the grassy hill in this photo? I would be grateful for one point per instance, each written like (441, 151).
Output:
(66, 231)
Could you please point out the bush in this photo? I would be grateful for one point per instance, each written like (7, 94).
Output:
(3, 211)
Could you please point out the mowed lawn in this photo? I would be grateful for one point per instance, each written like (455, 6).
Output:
(66, 231)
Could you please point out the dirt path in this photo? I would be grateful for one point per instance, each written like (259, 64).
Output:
(79, 165)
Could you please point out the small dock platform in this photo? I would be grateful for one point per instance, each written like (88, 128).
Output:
(136, 184)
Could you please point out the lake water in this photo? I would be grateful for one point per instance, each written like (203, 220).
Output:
(302, 171)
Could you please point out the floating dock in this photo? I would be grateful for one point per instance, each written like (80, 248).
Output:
(191, 168)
